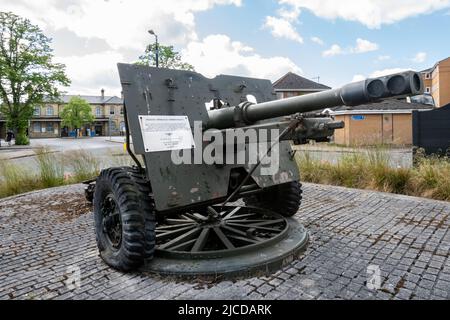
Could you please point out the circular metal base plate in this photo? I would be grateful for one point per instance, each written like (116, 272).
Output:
(263, 260)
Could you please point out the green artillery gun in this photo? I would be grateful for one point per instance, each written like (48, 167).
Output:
(200, 144)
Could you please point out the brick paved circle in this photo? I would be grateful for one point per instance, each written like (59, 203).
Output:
(48, 251)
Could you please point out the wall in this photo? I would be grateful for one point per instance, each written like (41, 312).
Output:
(402, 129)
(39, 134)
(375, 129)
(444, 82)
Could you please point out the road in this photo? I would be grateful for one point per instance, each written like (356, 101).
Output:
(101, 147)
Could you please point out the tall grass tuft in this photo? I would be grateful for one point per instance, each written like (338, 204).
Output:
(14, 179)
(51, 168)
(83, 165)
(370, 169)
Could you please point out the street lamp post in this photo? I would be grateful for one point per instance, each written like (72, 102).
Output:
(156, 46)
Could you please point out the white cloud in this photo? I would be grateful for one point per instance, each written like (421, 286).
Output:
(362, 46)
(358, 77)
(372, 13)
(217, 54)
(379, 73)
(420, 57)
(385, 72)
(282, 28)
(92, 72)
(119, 26)
(317, 40)
(290, 14)
(333, 51)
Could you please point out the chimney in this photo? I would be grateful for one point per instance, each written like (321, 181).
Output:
(103, 94)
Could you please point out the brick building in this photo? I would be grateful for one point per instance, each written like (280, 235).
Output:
(437, 82)
(387, 122)
(291, 85)
(46, 123)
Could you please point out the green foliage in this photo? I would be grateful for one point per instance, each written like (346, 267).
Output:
(168, 58)
(22, 139)
(83, 164)
(14, 179)
(51, 168)
(27, 73)
(371, 170)
(76, 113)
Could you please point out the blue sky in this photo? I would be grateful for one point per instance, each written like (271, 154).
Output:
(399, 43)
(353, 39)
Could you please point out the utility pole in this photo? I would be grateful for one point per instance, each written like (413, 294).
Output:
(156, 46)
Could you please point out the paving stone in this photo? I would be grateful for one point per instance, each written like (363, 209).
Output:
(395, 233)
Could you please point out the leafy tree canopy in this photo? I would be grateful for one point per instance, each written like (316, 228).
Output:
(27, 72)
(168, 58)
(76, 113)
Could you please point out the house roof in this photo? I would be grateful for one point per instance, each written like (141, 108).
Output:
(292, 81)
(386, 105)
(93, 99)
(429, 70)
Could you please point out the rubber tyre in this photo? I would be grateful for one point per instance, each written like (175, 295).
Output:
(284, 199)
(131, 192)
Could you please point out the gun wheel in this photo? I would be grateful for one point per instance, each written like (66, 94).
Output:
(215, 232)
(124, 218)
(284, 199)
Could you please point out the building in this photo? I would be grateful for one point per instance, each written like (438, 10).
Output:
(291, 85)
(437, 82)
(107, 111)
(387, 122)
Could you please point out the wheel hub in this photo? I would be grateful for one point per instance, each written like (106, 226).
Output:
(112, 224)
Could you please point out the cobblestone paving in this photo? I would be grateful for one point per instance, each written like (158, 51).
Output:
(47, 240)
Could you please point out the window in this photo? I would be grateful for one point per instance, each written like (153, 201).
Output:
(37, 111)
(50, 111)
(122, 126)
(427, 89)
(98, 111)
(49, 127)
(427, 75)
(121, 110)
(111, 110)
(36, 127)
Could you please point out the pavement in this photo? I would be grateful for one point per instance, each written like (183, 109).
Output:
(364, 245)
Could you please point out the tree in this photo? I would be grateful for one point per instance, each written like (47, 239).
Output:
(168, 58)
(76, 113)
(27, 73)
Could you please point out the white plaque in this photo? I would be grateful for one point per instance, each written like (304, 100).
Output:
(166, 133)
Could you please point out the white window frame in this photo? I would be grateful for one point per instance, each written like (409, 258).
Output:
(47, 109)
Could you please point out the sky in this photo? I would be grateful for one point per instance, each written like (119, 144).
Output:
(333, 42)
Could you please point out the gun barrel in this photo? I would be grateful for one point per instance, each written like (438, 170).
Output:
(353, 94)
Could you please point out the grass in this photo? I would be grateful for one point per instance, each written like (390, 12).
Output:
(15, 180)
(83, 166)
(51, 168)
(55, 169)
(370, 169)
